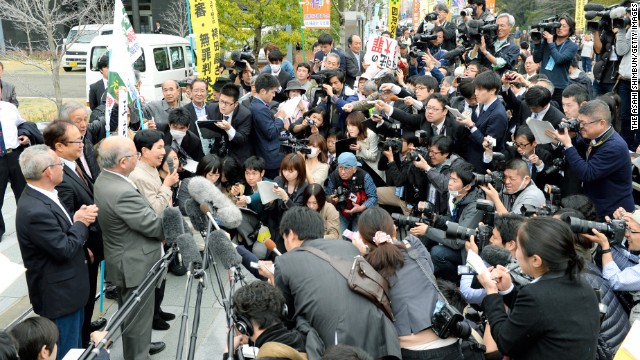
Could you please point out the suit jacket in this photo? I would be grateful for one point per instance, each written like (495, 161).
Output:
(74, 193)
(492, 122)
(194, 117)
(9, 93)
(191, 144)
(131, 230)
(51, 247)
(298, 269)
(564, 325)
(353, 71)
(90, 157)
(241, 121)
(343, 63)
(266, 134)
(96, 91)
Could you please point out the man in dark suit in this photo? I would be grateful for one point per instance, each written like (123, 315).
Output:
(7, 90)
(234, 122)
(97, 89)
(275, 61)
(491, 120)
(197, 108)
(535, 104)
(354, 58)
(132, 236)
(266, 126)
(76, 190)
(325, 41)
(449, 28)
(185, 142)
(51, 243)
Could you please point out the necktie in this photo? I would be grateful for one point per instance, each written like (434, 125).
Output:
(227, 118)
(3, 149)
(85, 166)
(80, 175)
(589, 150)
(481, 111)
(534, 115)
(434, 130)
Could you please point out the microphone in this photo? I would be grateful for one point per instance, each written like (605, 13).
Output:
(198, 220)
(593, 7)
(187, 251)
(170, 164)
(172, 224)
(222, 247)
(617, 12)
(271, 246)
(495, 255)
(204, 191)
(475, 24)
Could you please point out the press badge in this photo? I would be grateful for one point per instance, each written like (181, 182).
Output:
(353, 197)
(550, 64)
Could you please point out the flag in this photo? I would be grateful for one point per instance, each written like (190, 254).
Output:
(394, 14)
(123, 52)
(205, 27)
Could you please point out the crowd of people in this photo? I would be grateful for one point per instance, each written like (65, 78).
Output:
(417, 170)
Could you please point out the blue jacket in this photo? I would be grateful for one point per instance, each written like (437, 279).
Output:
(605, 175)
(266, 134)
(492, 121)
(561, 55)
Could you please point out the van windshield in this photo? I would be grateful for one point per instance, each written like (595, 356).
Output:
(83, 36)
(98, 51)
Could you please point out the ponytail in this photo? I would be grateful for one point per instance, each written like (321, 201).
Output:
(376, 227)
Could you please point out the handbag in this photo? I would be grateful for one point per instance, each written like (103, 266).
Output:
(362, 278)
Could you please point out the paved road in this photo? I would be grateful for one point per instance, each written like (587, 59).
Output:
(41, 85)
(211, 335)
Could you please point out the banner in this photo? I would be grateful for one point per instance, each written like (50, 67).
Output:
(416, 14)
(316, 14)
(123, 52)
(206, 31)
(122, 112)
(394, 16)
(491, 6)
(382, 50)
(580, 20)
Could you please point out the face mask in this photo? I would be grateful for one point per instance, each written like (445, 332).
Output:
(519, 187)
(454, 194)
(314, 152)
(275, 68)
(178, 135)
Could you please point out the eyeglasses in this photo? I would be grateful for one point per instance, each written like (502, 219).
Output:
(585, 123)
(431, 108)
(433, 152)
(226, 103)
(521, 146)
(420, 87)
(125, 157)
(61, 164)
(628, 229)
(78, 142)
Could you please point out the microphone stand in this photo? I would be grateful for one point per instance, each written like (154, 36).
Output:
(198, 274)
(149, 282)
(185, 312)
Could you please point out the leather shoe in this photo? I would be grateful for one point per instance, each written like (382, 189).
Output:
(166, 316)
(111, 292)
(98, 324)
(159, 324)
(156, 347)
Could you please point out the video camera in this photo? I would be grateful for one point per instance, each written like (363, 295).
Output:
(447, 321)
(614, 229)
(611, 17)
(321, 78)
(291, 145)
(549, 25)
(245, 54)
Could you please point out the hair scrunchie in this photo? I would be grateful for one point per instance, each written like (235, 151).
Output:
(381, 237)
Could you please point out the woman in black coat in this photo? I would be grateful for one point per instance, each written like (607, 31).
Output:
(557, 315)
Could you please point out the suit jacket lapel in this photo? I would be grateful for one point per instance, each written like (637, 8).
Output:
(52, 205)
(70, 174)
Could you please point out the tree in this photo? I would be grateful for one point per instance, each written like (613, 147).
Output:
(44, 18)
(175, 18)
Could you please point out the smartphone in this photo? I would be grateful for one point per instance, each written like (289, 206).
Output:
(466, 270)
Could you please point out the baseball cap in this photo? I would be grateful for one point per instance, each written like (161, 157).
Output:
(347, 159)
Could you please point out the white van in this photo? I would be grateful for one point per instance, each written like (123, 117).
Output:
(76, 55)
(164, 57)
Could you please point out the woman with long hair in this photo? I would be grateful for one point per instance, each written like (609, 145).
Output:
(366, 146)
(316, 199)
(316, 162)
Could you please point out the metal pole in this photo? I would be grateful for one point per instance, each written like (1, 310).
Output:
(304, 53)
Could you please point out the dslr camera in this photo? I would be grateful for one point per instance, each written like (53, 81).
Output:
(419, 151)
(556, 165)
(614, 229)
(394, 143)
(447, 321)
(572, 125)
(245, 54)
(407, 222)
(496, 178)
(341, 193)
(291, 145)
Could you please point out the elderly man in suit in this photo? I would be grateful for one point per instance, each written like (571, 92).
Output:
(132, 236)
(7, 90)
(51, 242)
(76, 190)
(79, 115)
(354, 58)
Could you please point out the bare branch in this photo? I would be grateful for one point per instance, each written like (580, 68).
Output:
(175, 19)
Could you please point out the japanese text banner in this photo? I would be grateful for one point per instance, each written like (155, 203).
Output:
(382, 50)
(316, 14)
(394, 16)
(205, 27)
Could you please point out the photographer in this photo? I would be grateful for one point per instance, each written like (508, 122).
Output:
(606, 68)
(599, 161)
(502, 55)
(480, 11)
(539, 326)
(556, 53)
(352, 190)
(405, 264)
(449, 28)
(463, 194)
(337, 96)
(518, 190)
(618, 265)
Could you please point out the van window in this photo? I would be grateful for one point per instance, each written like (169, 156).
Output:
(177, 57)
(161, 58)
(106, 32)
(98, 51)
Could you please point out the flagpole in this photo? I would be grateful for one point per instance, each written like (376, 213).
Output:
(193, 52)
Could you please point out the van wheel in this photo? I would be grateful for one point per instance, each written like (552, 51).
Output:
(67, 69)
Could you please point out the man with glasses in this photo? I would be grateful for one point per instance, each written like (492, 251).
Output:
(91, 134)
(599, 157)
(75, 191)
(132, 235)
(51, 240)
(234, 121)
(198, 106)
(448, 27)
(502, 55)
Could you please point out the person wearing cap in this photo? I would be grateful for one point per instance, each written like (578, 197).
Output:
(354, 58)
(359, 190)
(404, 52)
(294, 92)
(217, 86)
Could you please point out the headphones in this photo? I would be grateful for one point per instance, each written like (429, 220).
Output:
(243, 323)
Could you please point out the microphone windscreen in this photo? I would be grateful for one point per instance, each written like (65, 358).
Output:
(617, 12)
(270, 244)
(172, 224)
(188, 249)
(593, 7)
(204, 191)
(393, 98)
(475, 23)
(495, 255)
(170, 164)
(198, 220)
(220, 245)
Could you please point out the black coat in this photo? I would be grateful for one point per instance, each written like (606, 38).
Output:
(96, 92)
(240, 146)
(191, 144)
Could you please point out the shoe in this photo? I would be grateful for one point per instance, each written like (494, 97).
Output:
(156, 347)
(159, 324)
(98, 324)
(166, 316)
(111, 292)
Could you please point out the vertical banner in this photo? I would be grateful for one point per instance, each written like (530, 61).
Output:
(317, 14)
(122, 111)
(394, 16)
(416, 14)
(205, 28)
(580, 20)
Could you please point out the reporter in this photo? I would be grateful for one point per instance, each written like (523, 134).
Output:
(539, 326)
(518, 189)
(316, 162)
(315, 198)
(413, 297)
(366, 147)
